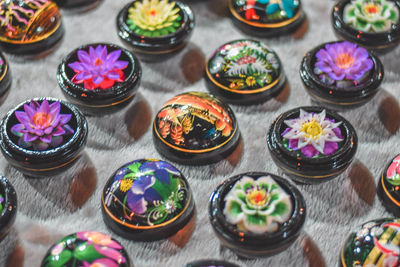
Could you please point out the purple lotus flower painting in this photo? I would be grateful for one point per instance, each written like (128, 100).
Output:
(313, 134)
(98, 69)
(41, 125)
(342, 63)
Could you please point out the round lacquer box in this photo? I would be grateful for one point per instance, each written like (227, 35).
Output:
(375, 243)
(389, 186)
(29, 27)
(78, 5)
(245, 72)
(341, 75)
(266, 18)
(210, 263)
(8, 206)
(99, 78)
(312, 144)
(43, 136)
(87, 249)
(5, 76)
(257, 214)
(195, 128)
(372, 24)
(147, 200)
(155, 29)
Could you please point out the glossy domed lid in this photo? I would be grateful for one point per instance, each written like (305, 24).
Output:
(265, 13)
(376, 243)
(195, 122)
(389, 186)
(244, 67)
(87, 249)
(28, 21)
(145, 194)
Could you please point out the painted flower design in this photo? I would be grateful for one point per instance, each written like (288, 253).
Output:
(86, 249)
(147, 189)
(343, 61)
(1, 64)
(393, 172)
(313, 134)
(244, 64)
(276, 8)
(154, 18)
(371, 15)
(41, 125)
(98, 69)
(257, 206)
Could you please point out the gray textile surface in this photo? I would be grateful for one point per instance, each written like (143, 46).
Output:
(52, 208)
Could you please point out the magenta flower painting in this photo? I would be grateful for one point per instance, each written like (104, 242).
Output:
(41, 126)
(98, 69)
(313, 134)
(342, 63)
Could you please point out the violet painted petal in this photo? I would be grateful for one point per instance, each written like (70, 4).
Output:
(97, 80)
(337, 76)
(29, 111)
(110, 253)
(83, 76)
(22, 117)
(68, 129)
(338, 132)
(285, 131)
(120, 65)
(76, 66)
(46, 138)
(309, 151)
(114, 56)
(17, 128)
(64, 118)
(30, 137)
(136, 203)
(58, 131)
(113, 75)
(293, 144)
(151, 195)
(142, 183)
(92, 55)
(330, 148)
(83, 56)
(48, 130)
(103, 53)
(54, 107)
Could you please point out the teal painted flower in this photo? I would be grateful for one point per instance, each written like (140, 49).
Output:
(257, 206)
(289, 6)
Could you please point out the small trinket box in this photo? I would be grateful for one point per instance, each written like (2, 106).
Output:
(311, 144)
(43, 136)
(29, 26)
(341, 75)
(8, 206)
(210, 263)
(87, 249)
(372, 24)
(147, 200)
(244, 72)
(155, 29)
(5, 76)
(389, 186)
(99, 78)
(376, 243)
(80, 5)
(195, 128)
(266, 18)
(257, 214)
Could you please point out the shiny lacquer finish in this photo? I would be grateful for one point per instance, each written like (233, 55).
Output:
(155, 29)
(312, 144)
(257, 214)
(388, 186)
(147, 200)
(8, 206)
(99, 78)
(43, 136)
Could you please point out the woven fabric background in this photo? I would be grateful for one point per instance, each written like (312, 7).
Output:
(51, 208)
